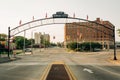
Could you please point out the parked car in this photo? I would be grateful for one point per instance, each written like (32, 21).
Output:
(27, 50)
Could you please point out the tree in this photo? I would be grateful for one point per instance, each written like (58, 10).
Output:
(59, 44)
(31, 41)
(3, 37)
(19, 41)
(46, 43)
(1, 46)
(53, 44)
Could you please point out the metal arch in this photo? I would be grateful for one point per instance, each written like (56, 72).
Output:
(61, 18)
(53, 22)
(25, 26)
(41, 23)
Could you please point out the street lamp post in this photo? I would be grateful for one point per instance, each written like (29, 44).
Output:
(44, 41)
(24, 41)
(32, 41)
(77, 38)
(8, 42)
(115, 58)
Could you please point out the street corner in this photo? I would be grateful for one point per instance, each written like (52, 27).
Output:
(115, 62)
(15, 58)
(7, 59)
(4, 59)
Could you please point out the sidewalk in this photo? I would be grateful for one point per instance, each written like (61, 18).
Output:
(117, 62)
(6, 59)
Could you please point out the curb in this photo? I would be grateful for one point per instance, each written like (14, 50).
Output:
(70, 73)
(6, 59)
(45, 73)
(116, 62)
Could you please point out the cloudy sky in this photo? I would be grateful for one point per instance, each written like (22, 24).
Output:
(12, 11)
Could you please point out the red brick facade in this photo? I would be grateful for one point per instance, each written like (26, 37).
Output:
(89, 32)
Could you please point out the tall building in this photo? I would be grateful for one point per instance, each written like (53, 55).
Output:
(37, 38)
(46, 37)
(41, 38)
(89, 32)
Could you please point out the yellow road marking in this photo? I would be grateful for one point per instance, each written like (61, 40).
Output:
(69, 72)
(45, 73)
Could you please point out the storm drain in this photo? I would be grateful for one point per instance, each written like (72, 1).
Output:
(57, 72)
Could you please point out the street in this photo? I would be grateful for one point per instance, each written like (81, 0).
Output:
(84, 65)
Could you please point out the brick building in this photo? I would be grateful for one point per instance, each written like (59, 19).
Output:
(89, 32)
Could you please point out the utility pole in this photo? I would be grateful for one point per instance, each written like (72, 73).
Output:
(8, 42)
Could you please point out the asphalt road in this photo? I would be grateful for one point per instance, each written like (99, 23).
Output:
(90, 72)
(84, 66)
(21, 72)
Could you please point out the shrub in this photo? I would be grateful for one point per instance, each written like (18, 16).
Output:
(86, 46)
(72, 45)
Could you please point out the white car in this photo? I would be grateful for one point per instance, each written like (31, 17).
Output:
(28, 51)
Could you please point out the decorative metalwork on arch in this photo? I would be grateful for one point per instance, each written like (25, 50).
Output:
(58, 18)
(50, 21)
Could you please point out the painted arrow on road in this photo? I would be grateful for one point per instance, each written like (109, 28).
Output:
(88, 70)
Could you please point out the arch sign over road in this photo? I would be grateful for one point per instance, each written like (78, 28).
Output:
(58, 18)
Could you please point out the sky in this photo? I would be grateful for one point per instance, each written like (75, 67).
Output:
(12, 11)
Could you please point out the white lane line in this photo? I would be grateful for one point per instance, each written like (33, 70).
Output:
(88, 70)
(11, 67)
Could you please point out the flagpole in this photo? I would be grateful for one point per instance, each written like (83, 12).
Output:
(46, 15)
(33, 18)
(20, 22)
(87, 17)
